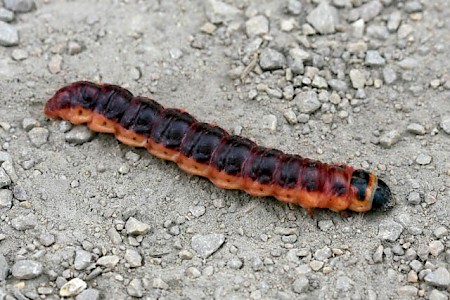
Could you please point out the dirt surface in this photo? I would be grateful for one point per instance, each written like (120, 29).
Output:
(380, 80)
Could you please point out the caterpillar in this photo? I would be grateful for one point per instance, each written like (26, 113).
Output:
(229, 161)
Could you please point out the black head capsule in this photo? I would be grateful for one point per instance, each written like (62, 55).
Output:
(382, 198)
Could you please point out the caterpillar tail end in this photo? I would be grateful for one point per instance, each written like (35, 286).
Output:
(382, 198)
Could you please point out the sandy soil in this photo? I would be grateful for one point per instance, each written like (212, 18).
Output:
(72, 203)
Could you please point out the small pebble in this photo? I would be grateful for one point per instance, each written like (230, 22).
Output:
(38, 136)
(4, 268)
(370, 10)
(135, 227)
(445, 124)
(19, 54)
(5, 199)
(325, 225)
(8, 35)
(221, 12)
(88, 294)
(301, 284)
(294, 7)
(389, 230)
(324, 18)
(358, 78)
(373, 58)
(307, 102)
(290, 116)
(73, 48)
(269, 122)
(24, 222)
(133, 258)
(436, 248)
(440, 232)
(414, 198)
(206, 245)
(79, 135)
(389, 75)
(109, 261)
(6, 15)
(323, 254)
(135, 288)
(439, 278)
(26, 269)
(438, 295)
(423, 159)
(271, 59)
(407, 291)
(415, 128)
(158, 283)
(257, 25)
(378, 255)
(198, 211)
(82, 259)
(344, 284)
(390, 138)
(47, 239)
(316, 265)
(72, 288)
(193, 272)
(20, 6)
(235, 263)
(19, 193)
(55, 64)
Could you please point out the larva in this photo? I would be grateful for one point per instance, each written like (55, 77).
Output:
(229, 161)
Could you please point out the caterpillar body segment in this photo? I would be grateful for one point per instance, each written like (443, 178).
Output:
(229, 161)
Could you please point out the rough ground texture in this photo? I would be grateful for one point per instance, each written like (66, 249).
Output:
(361, 82)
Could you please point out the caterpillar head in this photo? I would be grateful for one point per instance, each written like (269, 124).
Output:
(369, 192)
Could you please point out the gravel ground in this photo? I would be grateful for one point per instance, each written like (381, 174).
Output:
(361, 82)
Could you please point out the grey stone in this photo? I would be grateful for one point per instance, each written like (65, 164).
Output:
(29, 123)
(438, 278)
(26, 269)
(370, 10)
(404, 31)
(301, 284)
(133, 258)
(358, 28)
(408, 63)
(6, 15)
(324, 18)
(19, 193)
(5, 199)
(114, 236)
(72, 288)
(416, 265)
(325, 225)
(390, 138)
(389, 75)
(358, 78)
(193, 272)
(198, 211)
(8, 35)
(436, 248)
(47, 239)
(88, 294)
(415, 128)
(108, 261)
(319, 82)
(338, 85)
(79, 135)
(269, 122)
(220, 12)
(389, 230)
(294, 7)
(437, 295)
(21, 6)
(136, 227)
(373, 58)
(378, 255)
(8, 166)
(413, 6)
(414, 198)
(158, 283)
(135, 288)
(379, 32)
(206, 245)
(257, 25)
(24, 222)
(271, 59)
(440, 232)
(4, 268)
(445, 124)
(55, 64)
(344, 284)
(82, 259)
(394, 20)
(73, 48)
(38, 136)
(235, 263)
(323, 254)
(407, 291)
(307, 102)
(423, 159)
